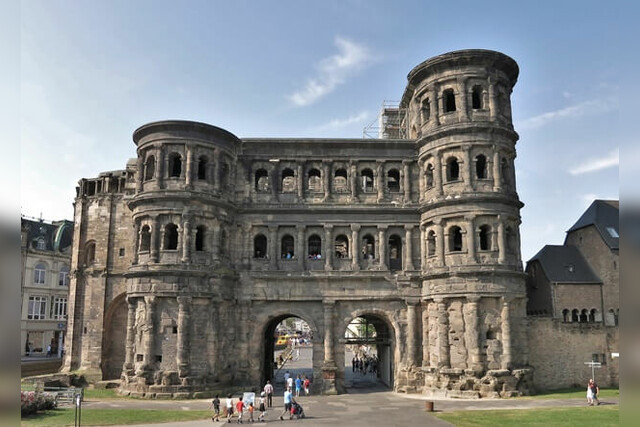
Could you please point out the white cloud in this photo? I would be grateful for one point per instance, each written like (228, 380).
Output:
(596, 164)
(333, 71)
(340, 123)
(585, 108)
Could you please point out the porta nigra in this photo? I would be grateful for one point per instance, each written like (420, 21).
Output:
(185, 261)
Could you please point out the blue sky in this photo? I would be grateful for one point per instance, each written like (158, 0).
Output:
(91, 72)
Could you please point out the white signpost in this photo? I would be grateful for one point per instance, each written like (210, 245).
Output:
(593, 365)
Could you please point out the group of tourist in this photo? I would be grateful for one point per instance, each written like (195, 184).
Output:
(365, 364)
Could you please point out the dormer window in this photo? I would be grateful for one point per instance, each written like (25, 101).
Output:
(613, 232)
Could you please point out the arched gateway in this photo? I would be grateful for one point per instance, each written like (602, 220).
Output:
(215, 239)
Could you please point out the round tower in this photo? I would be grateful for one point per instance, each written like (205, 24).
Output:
(183, 214)
(459, 111)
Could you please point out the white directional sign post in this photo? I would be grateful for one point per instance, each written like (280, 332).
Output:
(593, 365)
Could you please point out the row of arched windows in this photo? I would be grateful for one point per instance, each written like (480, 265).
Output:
(484, 241)
(453, 170)
(175, 166)
(171, 237)
(580, 316)
(40, 274)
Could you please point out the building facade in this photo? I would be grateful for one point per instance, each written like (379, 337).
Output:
(184, 262)
(46, 260)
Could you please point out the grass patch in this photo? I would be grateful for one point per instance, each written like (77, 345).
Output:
(590, 415)
(65, 417)
(568, 393)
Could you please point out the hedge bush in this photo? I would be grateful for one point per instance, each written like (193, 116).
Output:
(34, 401)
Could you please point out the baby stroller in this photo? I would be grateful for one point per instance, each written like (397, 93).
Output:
(296, 410)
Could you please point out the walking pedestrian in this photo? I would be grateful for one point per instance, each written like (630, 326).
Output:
(287, 403)
(229, 405)
(251, 409)
(298, 386)
(215, 403)
(306, 385)
(268, 390)
(239, 409)
(262, 408)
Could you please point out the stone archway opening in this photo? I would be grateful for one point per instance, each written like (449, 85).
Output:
(114, 339)
(288, 349)
(368, 354)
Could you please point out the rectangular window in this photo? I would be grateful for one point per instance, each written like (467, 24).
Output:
(37, 308)
(38, 276)
(63, 278)
(121, 252)
(613, 232)
(60, 308)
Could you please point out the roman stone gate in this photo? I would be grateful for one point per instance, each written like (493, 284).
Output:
(206, 241)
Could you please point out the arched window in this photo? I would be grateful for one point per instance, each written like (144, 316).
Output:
(449, 100)
(584, 316)
(261, 180)
(340, 180)
(491, 334)
(288, 181)
(200, 238)
(368, 247)
(202, 168)
(314, 180)
(504, 171)
(476, 97)
(315, 247)
(485, 238)
(453, 169)
(287, 247)
(90, 253)
(170, 237)
(431, 243)
(425, 110)
(224, 175)
(41, 244)
(342, 246)
(175, 165)
(481, 166)
(565, 315)
(260, 246)
(395, 252)
(145, 239)
(592, 315)
(39, 274)
(511, 240)
(575, 315)
(455, 239)
(63, 276)
(393, 181)
(149, 168)
(224, 242)
(429, 176)
(367, 180)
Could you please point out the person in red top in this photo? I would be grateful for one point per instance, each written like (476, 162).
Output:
(239, 409)
(306, 384)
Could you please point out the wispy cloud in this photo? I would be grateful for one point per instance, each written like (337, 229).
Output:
(333, 71)
(585, 108)
(341, 123)
(595, 164)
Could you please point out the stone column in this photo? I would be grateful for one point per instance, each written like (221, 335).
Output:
(380, 180)
(437, 173)
(155, 239)
(443, 333)
(186, 241)
(408, 248)
(466, 170)
(353, 178)
(273, 244)
(440, 243)
(463, 112)
(300, 181)
(474, 360)
(329, 309)
(355, 250)
(433, 95)
(406, 180)
(497, 173)
(136, 247)
(518, 246)
(140, 174)
(247, 247)
(132, 304)
(273, 176)
(493, 104)
(216, 170)
(502, 244)
(326, 179)
(506, 333)
(189, 167)
(328, 243)
(382, 246)
(148, 339)
(215, 240)
(421, 179)
(412, 325)
(471, 243)
(160, 167)
(183, 345)
(426, 360)
(300, 252)
(423, 247)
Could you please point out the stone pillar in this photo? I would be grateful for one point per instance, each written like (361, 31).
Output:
(136, 247)
(353, 178)
(437, 173)
(502, 244)
(443, 333)
(408, 248)
(155, 239)
(160, 167)
(328, 243)
(440, 243)
(463, 111)
(300, 181)
(186, 241)
(326, 179)
(471, 243)
(189, 167)
(474, 360)
(183, 345)
(412, 326)
(497, 173)
(426, 360)
(300, 253)
(423, 247)
(140, 174)
(506, 333)
(433, 95)
(380, 180)
(406, 180)
(216, 170)
(355, 250)
(518, 249)
(215, 240)
(382, 246)
(247, 246)
(466, 170)
(274, 178)
(329, 309)
(493, 104)
(421, 179)
(132, 304)
(273, 247)
(148, 339)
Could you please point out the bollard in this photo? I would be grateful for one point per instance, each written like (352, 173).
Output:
(428, 404)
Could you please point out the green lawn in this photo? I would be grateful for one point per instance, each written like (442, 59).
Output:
(64, 417)
(568, 393)
(588, 415)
